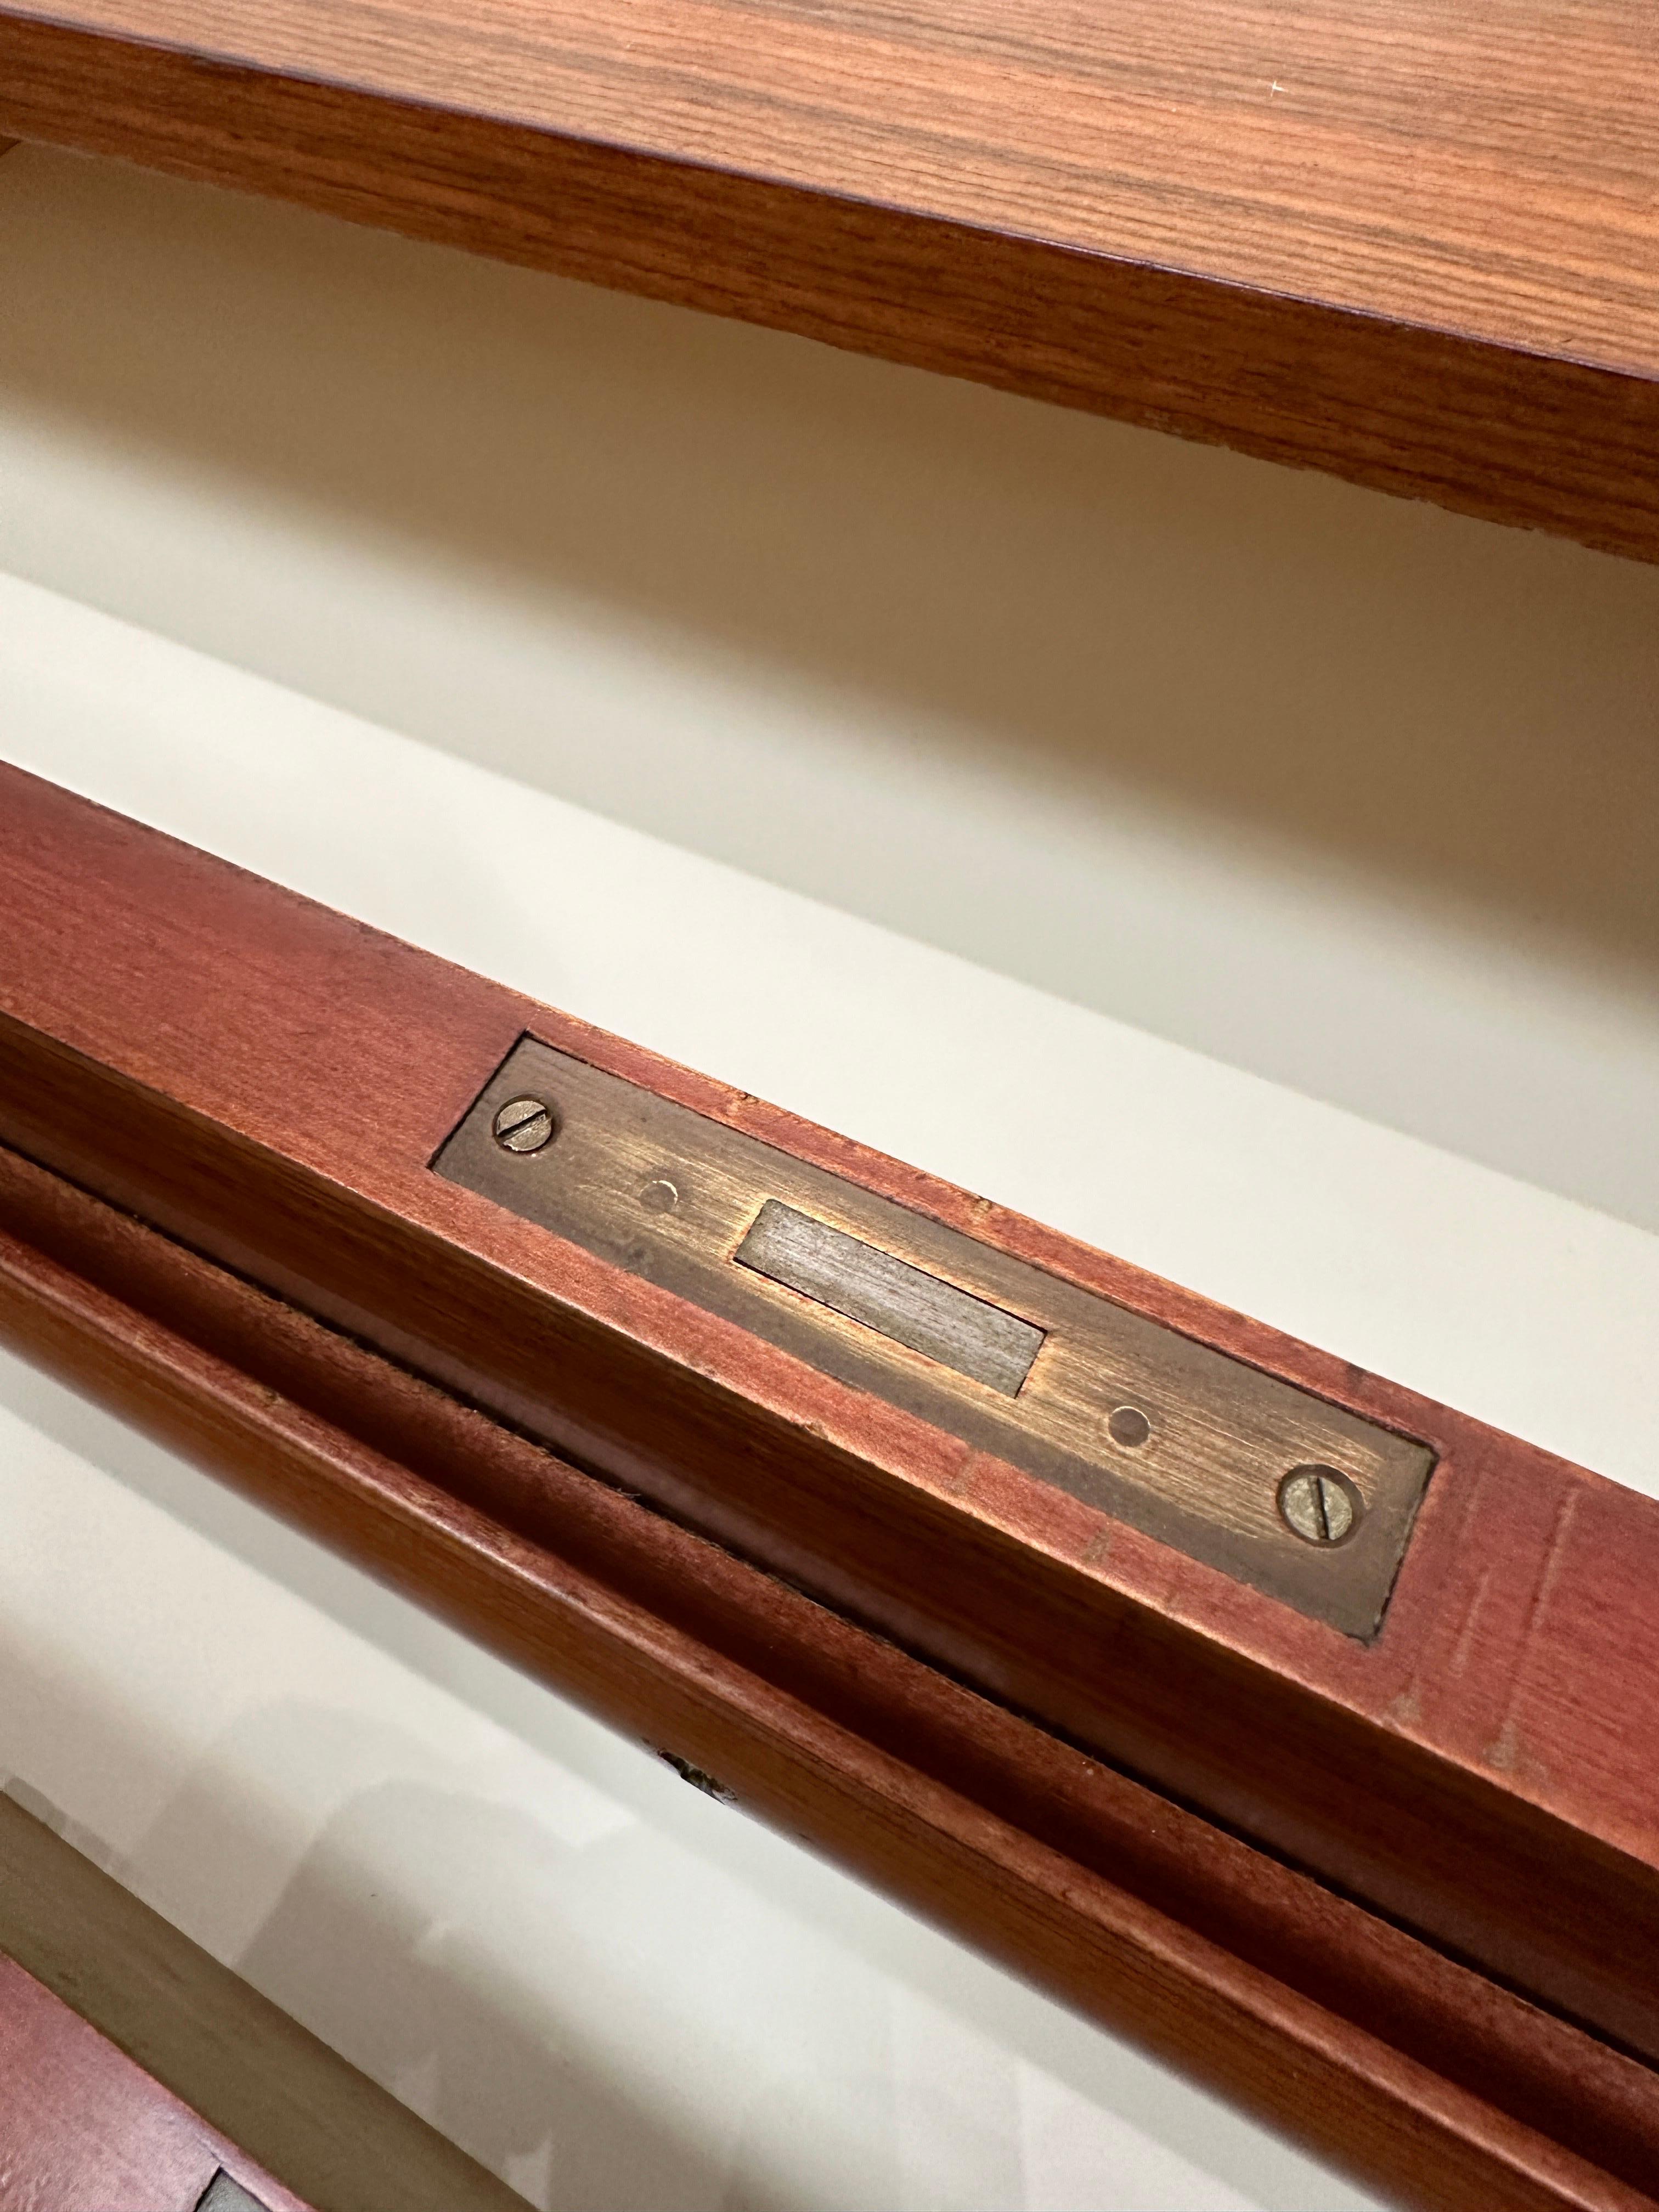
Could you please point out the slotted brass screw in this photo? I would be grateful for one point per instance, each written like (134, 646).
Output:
(1318, 1504)
(524, 1125)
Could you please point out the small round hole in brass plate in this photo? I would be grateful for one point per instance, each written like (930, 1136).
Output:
(1129, 1427)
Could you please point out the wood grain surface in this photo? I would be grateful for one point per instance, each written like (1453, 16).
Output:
(291, 2104)
(1416, 246)
(1396, 2062)
(266, 1082)
(82, 2129)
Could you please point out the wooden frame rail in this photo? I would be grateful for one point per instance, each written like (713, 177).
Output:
(1415, 245)
(133, 2062)
(1399, 1894)
(80, 2123)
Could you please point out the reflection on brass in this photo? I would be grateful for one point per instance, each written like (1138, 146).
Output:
(1181, 1441)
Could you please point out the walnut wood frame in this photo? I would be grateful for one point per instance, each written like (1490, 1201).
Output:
(1412, 246)
(215, 1213)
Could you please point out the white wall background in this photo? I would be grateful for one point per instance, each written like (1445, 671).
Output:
(620, 1995)
(747, 657)
(1357, 795)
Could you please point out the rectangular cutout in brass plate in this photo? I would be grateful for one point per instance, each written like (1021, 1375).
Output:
(1300, 1498)
(904, 1302)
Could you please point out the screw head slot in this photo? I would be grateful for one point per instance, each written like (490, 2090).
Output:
(524, 1125)
(1320, 1505)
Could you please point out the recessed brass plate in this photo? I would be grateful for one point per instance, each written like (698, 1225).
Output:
(1181, 1441)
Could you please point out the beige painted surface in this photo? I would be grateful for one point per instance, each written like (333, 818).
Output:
(611, 1990)
(1132, 747)
(1357, 795)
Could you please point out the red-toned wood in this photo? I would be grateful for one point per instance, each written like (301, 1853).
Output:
(1412, 243)
(246, 2070)
(1394, 2061)
(82, 2129)
(267, 1081)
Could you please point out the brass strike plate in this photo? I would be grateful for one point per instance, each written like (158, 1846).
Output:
(1305, 1501)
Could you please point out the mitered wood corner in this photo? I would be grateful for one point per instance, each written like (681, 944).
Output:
(1413, 246)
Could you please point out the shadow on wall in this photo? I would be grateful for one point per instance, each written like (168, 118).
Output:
(599, 1983)
(1466, 709)
(427, 2004)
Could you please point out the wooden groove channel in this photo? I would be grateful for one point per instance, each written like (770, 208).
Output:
(1399, 1893)
(1407, 2067)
